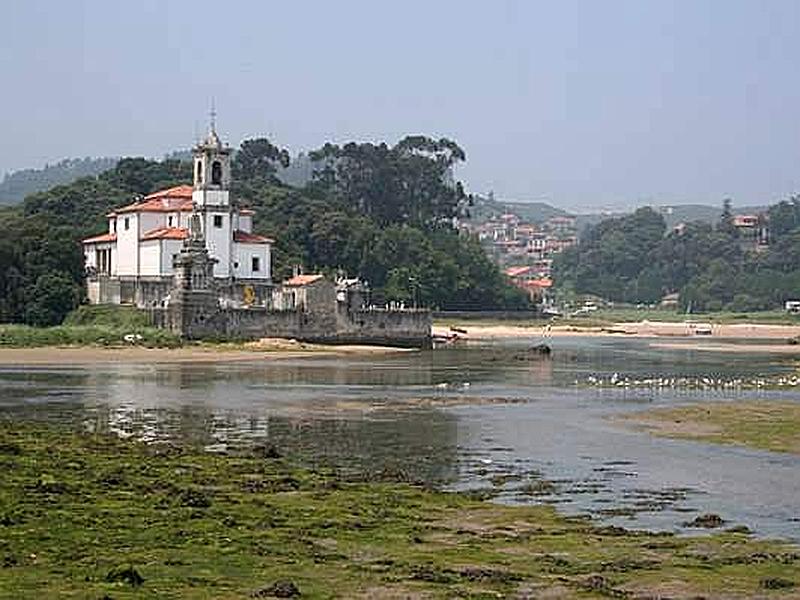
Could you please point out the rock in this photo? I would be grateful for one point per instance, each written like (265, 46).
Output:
(709, 521)
(596, 583)
(195, 499)
(280, 589)
(10, 449)
(125, 574)
(266, 451)
(776, 583)
(536, 351)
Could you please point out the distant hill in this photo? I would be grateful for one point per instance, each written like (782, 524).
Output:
(485, 208)
(15, 186)
(684, 213)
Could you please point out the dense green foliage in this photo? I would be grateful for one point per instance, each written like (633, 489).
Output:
(15, 186)
(378, 212)
(42, 261)
(635, 259)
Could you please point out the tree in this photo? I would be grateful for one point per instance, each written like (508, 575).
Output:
(410, 183)
(258, 160)
(726, 225)
(50, 299)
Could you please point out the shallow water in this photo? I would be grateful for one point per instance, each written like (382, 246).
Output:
(515, 422)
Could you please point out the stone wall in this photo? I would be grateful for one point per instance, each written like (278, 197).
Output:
(195, 319)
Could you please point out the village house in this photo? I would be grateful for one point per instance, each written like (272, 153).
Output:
(133, 261)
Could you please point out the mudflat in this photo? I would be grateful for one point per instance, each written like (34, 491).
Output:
(105, 517)
(254, 351)
(766, 425)
(683, 330)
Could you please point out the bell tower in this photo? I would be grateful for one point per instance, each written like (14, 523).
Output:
(212, 170)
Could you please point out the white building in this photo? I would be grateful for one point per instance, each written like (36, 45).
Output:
(133, 261)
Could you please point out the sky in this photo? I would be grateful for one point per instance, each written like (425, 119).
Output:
(582, 104)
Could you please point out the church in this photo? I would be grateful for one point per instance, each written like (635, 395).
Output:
(134, 261)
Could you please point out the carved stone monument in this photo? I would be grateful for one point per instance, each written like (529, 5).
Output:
(194, 304)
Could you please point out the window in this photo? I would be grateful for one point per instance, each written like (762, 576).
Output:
(256, 264)
(127, 223)
(114, 225)
(216, 173)
(169, 221)
(199, 172)
(218, 221)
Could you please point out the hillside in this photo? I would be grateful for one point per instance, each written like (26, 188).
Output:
(485, 208)
(686, 213)
(638, 258)
(391, 229)
(15, 186)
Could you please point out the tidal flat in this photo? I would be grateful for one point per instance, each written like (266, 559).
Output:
(95, 516)
(773, 426)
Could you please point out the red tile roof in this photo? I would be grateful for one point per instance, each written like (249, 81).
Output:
(105, 237)
(166, 233)
(300, 280)
(243, 237)
(539, 283)
(179, 191)
(178, 198)
(517, 271)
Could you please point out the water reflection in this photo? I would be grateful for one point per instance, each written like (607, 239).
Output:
(376, 413)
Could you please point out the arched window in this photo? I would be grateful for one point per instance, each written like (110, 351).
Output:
(198, 172)
(216, 173)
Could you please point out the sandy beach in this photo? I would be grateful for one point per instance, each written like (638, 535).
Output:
(262, 350)
(655, 329)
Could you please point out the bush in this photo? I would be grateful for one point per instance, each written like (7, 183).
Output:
(25, 336)
(108, 315)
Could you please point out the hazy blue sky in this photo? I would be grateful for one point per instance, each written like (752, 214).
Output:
(595, 103)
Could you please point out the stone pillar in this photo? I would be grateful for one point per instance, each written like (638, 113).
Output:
(194, 305)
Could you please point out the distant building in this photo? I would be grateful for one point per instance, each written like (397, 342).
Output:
(752, 229)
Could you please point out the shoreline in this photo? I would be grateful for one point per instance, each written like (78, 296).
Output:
(641, 329)
(262, 350)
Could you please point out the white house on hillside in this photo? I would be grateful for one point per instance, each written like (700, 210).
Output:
(133, 261)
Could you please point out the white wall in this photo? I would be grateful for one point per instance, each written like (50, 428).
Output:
(168, 249)
(128, 244)
(243, 254)
(211, 197)
(152, 220)
(89, 255)
(150, 256)
(246, 223)
(219, 241)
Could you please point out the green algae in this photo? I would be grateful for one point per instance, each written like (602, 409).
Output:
(88, 516)
(767, 425)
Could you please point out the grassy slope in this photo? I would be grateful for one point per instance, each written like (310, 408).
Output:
(767, 425)
(75, 507)
(90, 326)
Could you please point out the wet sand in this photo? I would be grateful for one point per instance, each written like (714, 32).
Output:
(256, 351)
(731, 348)
(681, 330)
(766, 425)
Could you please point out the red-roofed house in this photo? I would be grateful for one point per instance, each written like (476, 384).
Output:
(144, 237)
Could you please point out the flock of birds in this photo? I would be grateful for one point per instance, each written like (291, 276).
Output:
(704, 382)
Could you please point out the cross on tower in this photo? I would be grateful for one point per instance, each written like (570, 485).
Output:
(213, 115)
